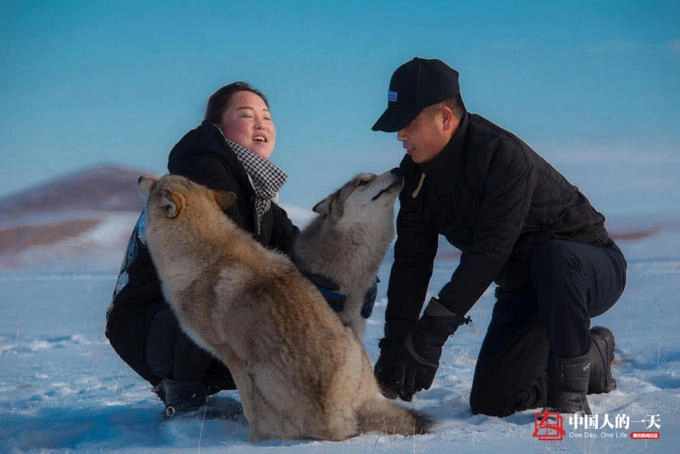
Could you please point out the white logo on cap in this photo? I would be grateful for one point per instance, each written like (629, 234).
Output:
(392, 96)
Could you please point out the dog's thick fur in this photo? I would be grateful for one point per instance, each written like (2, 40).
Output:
(348, 239)
(300, 373)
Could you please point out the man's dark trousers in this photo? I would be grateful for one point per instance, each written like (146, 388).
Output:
(570, 283)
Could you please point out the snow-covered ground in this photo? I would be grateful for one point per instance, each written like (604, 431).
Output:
(63, 388)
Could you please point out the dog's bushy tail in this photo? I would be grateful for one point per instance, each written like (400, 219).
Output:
(382, 415)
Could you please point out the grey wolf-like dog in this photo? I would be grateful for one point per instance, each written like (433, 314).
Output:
(348, 240)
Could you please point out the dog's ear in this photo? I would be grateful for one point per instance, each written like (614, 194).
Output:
(324, 207)
(224, 198)
(144, 184)
(329, 205)
(173, 203)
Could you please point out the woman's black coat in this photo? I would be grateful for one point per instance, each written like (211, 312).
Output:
(140, 324)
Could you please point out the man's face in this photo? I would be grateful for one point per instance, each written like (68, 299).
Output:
(425, 136)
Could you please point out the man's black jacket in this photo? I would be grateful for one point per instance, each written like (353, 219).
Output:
(495, 199)
(203, 156)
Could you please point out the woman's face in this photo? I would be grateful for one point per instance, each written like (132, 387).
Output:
(248, 122)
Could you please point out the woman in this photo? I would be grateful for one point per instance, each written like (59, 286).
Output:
(230, 150)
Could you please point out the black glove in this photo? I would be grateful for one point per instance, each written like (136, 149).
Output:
(396, 331)
(369, 299)
(328, 289)
(418, 360)
(384, 368)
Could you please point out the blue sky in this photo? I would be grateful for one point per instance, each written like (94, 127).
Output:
(91, 82)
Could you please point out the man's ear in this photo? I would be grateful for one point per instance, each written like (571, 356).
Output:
(173, 203)
(224, 198)
(144, 184)
(450, 121)
(446, 116)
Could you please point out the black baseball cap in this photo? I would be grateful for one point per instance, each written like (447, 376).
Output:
(415, 85)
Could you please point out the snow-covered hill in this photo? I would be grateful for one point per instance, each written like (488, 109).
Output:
(80, 221)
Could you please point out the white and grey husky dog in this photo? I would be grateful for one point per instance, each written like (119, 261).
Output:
(300, 373)
(348, 240)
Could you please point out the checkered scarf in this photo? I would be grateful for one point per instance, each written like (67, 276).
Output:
(265, 178)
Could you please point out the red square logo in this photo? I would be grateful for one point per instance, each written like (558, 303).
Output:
(548, 426)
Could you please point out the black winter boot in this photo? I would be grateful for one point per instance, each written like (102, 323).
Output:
(180, 397)
(601, 356)
(568, 384)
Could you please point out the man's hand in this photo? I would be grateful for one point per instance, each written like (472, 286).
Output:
(384, 371)
(413, 366)
(401, 371)
(396, 330)
(413, 371)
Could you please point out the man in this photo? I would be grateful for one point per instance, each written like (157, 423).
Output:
(518, 223)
